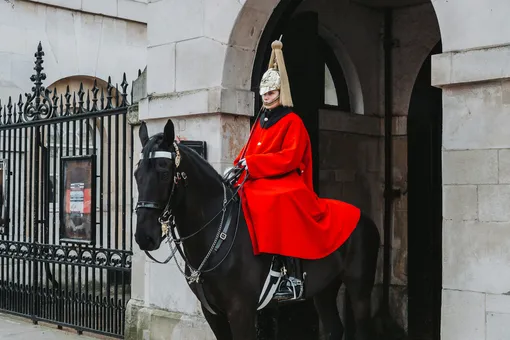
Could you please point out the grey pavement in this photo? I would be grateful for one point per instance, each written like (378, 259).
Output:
(14, 328)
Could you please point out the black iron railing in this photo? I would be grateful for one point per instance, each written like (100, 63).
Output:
(66, 222)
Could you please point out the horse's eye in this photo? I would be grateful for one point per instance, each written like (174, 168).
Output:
(165, 176)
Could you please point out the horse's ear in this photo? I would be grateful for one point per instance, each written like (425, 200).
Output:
(169, 133)
(144, 135)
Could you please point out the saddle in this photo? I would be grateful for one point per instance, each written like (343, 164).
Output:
(285, 281)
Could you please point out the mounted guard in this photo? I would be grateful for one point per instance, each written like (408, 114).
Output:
(231, 248)
(283, 213)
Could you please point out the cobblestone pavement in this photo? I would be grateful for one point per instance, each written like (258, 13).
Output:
(16, 328)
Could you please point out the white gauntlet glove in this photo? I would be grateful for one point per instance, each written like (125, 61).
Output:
(243, 163)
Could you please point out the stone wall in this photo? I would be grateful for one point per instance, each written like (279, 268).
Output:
(476, 193)
(352, 162)
(132, 10)
(474, 74)
(75, 43)
(351, 156)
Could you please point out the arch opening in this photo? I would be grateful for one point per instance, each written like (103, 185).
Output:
(349, 143)
(424, 128)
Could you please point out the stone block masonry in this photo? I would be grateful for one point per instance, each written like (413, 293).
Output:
(476, 195)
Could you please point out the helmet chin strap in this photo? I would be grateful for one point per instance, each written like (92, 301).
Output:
(268, 105)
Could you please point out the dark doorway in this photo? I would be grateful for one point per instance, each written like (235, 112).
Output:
(424, 128)
(304, 63)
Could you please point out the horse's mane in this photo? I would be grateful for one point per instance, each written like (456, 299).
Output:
(153, 144)
(199, 160)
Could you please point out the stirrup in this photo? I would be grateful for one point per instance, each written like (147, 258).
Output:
(290, 288)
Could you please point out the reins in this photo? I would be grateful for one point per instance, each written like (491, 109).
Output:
(169, 226)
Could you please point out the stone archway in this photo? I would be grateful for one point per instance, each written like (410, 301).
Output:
(212, 62)
(248, 33)
(243, 41)
(369, 95)
(255, 55)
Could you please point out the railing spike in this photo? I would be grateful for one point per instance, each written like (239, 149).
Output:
(20, 109)
(68, 101)
(109, 95)
(81, 94)
(38, 105)
(95, 90)
(124, 86)
(88, 100)
(8, 114)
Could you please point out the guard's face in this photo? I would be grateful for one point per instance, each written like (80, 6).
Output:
(271, 99)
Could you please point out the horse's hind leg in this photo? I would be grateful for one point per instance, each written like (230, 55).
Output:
(362, 314)
(219, 325)
(360, 275)
(325, 304)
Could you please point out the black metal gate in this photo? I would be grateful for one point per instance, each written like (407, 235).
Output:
(66, 222)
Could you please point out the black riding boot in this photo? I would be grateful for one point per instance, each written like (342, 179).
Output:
(291, 284)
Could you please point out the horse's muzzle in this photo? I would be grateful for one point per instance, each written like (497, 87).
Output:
(146, 242)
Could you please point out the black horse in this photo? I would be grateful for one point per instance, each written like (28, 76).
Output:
(179, 190)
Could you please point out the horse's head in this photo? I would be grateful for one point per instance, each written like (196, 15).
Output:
(155, 181)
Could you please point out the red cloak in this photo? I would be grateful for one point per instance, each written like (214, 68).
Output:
(282, 211)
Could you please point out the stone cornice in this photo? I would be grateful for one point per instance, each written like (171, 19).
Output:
(133, 10)
(200, 101)
(470, 66)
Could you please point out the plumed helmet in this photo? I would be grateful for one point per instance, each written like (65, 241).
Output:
(275, 78)
(270, 81)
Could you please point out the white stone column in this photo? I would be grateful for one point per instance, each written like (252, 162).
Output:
(187, 46)
(474, 72)
(476, 192)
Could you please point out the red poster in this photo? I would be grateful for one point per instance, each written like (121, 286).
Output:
(77, 200)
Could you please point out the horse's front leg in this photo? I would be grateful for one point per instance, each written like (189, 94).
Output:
(219, 325)
(243, 320)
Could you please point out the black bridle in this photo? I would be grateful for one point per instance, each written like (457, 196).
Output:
(167, 219)
(175, 157)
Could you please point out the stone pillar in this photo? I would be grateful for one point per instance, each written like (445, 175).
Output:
(474, 73)
(476, 192)
(187, 46)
